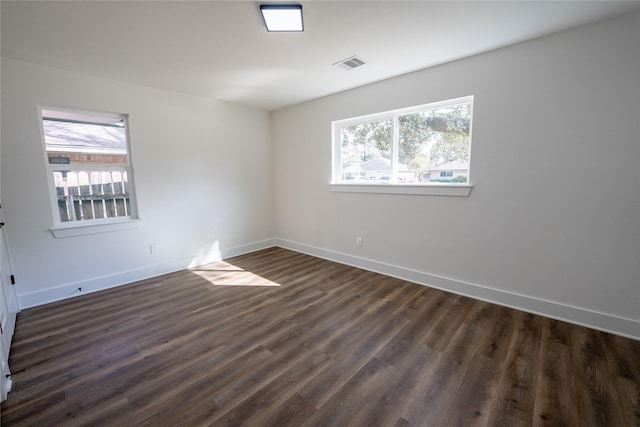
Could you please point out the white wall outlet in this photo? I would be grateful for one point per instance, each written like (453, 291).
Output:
(359, 241)
(153, 248)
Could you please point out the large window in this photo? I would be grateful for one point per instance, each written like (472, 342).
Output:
(89, 167)
(418, 146)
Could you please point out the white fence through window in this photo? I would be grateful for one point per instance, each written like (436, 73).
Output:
(92, 194)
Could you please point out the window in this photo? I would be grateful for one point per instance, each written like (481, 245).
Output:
(89, 167)
(427, 145)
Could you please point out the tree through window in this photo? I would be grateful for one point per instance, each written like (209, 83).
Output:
(427, 144)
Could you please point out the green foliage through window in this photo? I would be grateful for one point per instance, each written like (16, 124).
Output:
(419, 145)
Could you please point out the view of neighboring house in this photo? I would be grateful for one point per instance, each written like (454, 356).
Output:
(449, 171)
(352, 171)
(379, 169)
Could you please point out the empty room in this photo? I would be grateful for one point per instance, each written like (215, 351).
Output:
(320, 213)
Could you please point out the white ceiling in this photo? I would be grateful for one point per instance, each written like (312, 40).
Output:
(221, 50)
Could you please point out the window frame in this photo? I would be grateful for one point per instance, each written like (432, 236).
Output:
(430, 188)
(77, 227)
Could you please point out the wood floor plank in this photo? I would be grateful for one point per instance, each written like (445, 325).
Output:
(412, 334)
(596, 389)
(399, 390)
(556, 386)
(429, 405)
(448, 323)
(514, 401)
(293, 412)
(349, 362)
(473, 402)
(367, 383)
(262, 407)
(279, 338)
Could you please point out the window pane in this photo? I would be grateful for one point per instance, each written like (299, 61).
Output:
(86, 195)
(433, 145)
(76, 142)
(87, 153)
(366, 151)
(418, 145)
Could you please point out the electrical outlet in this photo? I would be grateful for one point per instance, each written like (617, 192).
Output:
(359, 241)
(153, 248)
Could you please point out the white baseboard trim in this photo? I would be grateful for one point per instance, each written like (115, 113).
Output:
(245, 249)
(601, 321)
(96, 284)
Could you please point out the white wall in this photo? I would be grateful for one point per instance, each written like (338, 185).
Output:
(543, 229)
(202, 171)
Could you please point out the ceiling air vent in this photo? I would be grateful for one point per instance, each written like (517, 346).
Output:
(350, 63)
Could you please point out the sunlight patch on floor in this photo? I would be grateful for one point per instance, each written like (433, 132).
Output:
(222, 273)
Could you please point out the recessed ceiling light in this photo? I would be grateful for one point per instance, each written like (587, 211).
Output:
(282, 17)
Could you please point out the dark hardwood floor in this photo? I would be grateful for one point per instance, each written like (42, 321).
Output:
(277, 338)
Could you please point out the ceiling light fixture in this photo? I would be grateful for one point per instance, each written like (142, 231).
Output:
(282, 17)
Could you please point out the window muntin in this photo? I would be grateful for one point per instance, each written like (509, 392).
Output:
(89, 166)
(410, 146)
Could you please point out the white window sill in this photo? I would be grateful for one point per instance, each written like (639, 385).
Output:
(85, 229)
(423, 190)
